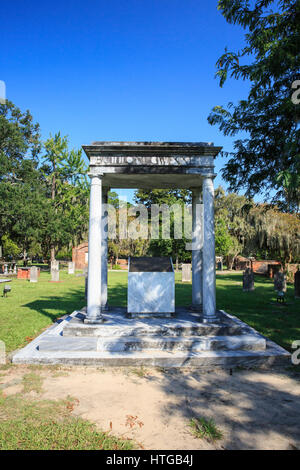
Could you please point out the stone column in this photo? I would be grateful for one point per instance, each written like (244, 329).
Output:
(209, 268)
(197, 243)
(94, 263)
(104, 251)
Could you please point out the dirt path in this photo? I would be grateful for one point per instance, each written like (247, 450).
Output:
(253, 409)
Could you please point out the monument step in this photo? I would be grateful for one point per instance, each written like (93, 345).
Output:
(207, 360)
(147, 343)
(150, 328)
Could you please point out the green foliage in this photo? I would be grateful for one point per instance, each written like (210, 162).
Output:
(223, 240)
(9, 247)
(268, 158)
(65, 173)
(174, 247)
(205, 428)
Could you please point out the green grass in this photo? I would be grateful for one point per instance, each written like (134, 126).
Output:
(30, 308)
(49, 425)
(203, 428)
(32, 382)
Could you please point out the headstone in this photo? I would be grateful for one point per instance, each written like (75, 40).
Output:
(55, 265)
(248, 280)
(297, 284)
(15, 268)
(5, 269)
(33, 274)
(186, 272)
(55, 271)
(71, 267)
(280, 282)
(54, 275)
(10, 271)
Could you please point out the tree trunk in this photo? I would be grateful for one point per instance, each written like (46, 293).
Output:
(52, 253)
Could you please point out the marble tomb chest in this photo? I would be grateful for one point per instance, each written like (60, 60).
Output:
(151, 286)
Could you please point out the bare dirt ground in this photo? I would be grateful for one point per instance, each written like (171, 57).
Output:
(255, 409)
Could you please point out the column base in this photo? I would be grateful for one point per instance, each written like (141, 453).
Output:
(210, 319)
(196, 308)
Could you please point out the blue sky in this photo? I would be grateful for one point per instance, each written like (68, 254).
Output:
(119, 69)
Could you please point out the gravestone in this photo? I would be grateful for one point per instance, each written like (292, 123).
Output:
(54, 275)
(151, 287)
(55, 265)
(248, 280)
(5, 269)
(297, 284)
(55, 271)
(186, 272)
(71, 267)
(15, 268)
(33, 274)
(280, 282)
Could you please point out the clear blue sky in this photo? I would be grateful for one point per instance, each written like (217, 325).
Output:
(119, 69)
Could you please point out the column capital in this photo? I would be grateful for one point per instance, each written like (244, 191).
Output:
(95, 175)
(210, 176)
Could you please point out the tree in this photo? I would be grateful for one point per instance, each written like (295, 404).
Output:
(176, 248)
(270, 151)
(21, 188)
(65, 220)
(276, 232)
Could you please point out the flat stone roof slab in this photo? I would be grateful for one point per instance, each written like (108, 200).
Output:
(151, 164)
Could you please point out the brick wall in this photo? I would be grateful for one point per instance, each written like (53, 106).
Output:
(80, 255)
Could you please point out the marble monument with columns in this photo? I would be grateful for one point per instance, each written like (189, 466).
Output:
(154, 165)
(197, 335)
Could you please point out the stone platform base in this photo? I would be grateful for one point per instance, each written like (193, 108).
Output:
(180, 341)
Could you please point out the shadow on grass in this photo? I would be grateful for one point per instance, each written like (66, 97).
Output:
(54, 307)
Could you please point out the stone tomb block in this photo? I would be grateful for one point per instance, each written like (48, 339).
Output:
(186, 273)
(151, 287)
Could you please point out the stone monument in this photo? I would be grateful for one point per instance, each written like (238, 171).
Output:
(280, 282)
(152, 165)
(71, 267)
(297, 284)
(33, 274)
(248, 280)
(151, 287)
(54, 265)
(186, 272)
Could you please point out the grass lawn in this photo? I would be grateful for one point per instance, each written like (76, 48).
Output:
(30, 308)
(49, 425)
